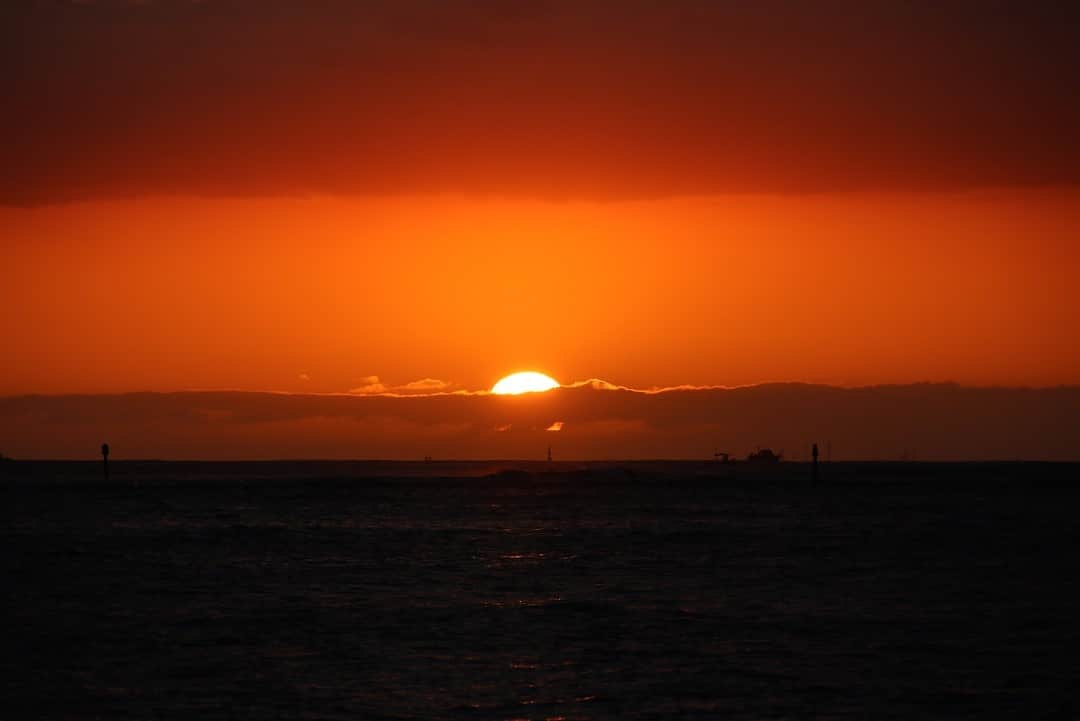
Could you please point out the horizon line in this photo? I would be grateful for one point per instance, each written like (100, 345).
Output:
(706, 461)
(597, 384)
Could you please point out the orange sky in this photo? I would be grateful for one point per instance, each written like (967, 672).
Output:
(169, 294)
(284, 195)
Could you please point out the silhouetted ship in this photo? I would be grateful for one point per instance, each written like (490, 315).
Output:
(764, 455)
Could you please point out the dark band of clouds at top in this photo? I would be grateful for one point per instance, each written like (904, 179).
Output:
(595, 100)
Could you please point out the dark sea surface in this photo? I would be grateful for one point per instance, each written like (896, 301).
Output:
(518, 591)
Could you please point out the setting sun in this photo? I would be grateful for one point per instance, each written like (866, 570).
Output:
(524, 382)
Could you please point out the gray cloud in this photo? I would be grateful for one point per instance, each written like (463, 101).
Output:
(932, 421)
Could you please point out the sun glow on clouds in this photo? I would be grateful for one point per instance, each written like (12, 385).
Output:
(513, 384)
(371, 385)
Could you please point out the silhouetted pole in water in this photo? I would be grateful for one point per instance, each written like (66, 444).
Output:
(549, 453)
(105, 459)
(813, 453)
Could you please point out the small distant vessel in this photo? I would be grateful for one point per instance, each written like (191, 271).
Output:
(764, 455)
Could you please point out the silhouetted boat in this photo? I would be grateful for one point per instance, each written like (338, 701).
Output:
(764, 455)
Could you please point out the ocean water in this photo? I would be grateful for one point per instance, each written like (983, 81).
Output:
(517, 591)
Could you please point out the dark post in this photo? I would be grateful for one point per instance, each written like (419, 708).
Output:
(814, 454)
(105, 459)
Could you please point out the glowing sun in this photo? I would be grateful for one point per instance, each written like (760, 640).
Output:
(525, 382)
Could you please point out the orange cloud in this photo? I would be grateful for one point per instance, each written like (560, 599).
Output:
(426, 385)
(371, 385)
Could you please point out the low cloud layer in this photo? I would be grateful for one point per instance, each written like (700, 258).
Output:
(925, 421)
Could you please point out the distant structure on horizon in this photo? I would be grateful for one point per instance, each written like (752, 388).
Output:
(764, 455)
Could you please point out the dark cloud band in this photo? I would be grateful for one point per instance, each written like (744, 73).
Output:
(936, 421)
(594, 100)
